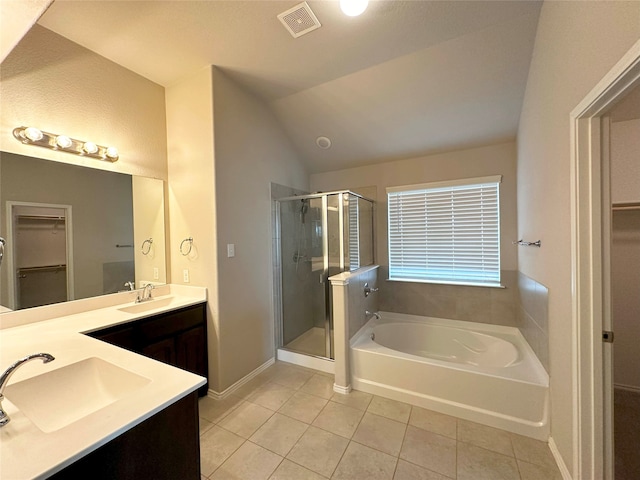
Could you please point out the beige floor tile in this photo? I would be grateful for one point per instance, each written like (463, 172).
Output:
(433, 421)
(392, 409)
(475, 463)
(271, 396)
(532, 451)
(292, 471)
(319, 385)
(354, 399)
(293, 378)
(364, 463)
(409, 471)
(216, 445)
(303, 407)
(529, 471)
(380, 433)
(249, 388)
(249, 462)
(279, 434)
(319, 451)
(204, 425)
(485, 437)
(339, 419)
(430, 450)
(246, 419)
(214, 410)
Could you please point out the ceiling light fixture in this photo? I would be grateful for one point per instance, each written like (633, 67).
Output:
(353, 8)
(53, 141)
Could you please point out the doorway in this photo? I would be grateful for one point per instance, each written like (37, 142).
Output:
(592, 318)
(39, 254)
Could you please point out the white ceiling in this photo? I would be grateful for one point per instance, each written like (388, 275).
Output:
(404, 79)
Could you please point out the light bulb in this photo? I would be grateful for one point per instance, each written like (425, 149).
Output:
(112, 152)
(33, 134)
(90, 147)
(353, 8)
(63, 141)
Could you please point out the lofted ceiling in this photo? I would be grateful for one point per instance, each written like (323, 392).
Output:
(404, 79)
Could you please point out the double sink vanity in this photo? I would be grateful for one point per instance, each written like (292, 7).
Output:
(111, 404)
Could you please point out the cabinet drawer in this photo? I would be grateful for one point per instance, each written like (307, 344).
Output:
(171, 323)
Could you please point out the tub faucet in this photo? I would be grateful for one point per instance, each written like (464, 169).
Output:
(369, 314)
(4, 378)
(146, 293)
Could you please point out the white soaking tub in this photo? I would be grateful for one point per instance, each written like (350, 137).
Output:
(476, 371)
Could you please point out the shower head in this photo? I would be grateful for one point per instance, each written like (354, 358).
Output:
(305, 206)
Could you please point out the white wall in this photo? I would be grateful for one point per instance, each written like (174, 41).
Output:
(576, 45)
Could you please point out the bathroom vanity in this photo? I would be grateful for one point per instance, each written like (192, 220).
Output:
(100, 410)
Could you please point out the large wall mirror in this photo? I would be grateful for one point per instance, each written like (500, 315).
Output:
(74, 232)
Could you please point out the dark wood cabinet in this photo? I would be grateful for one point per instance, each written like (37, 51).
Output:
(165, 446)
(178, 338)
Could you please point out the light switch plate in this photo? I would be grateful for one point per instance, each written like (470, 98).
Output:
(231, 250)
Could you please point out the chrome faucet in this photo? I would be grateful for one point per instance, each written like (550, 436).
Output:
(4, 378)
(130, 285)
(146, 293)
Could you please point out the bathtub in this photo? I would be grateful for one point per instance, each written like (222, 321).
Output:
(479, 372)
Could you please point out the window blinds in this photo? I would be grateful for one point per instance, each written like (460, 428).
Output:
(446, 232)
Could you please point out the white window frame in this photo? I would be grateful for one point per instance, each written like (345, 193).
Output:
(412, 255)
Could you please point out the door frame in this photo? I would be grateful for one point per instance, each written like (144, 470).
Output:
(591, 358)
(12, 291)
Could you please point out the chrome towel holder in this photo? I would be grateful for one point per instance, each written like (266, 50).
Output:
(522, 243)
(186, 240)
(148, 242)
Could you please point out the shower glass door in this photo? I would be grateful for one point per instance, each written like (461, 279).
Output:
(304, 272)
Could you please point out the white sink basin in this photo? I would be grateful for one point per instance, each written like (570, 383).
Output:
(149, 305)
(63, 396)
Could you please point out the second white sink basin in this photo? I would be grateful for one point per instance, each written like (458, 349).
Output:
(149, 305)
(63, 396)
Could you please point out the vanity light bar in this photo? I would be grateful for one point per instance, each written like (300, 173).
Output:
(53, 141)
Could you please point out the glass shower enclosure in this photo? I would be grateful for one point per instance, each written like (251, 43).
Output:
(320, 235)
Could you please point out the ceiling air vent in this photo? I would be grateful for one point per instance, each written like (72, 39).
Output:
(299, 20)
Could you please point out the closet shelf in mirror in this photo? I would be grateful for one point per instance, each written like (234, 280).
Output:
(625, 206)
(41, 217)
(43, 267)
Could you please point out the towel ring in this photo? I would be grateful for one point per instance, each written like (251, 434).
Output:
(190, 240)
(147, 241)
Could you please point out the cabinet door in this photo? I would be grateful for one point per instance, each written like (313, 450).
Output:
(163, 351)
(191, 351)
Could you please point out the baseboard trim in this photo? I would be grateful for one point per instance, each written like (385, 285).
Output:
(228, 391)
(343, 390)
(564, 471)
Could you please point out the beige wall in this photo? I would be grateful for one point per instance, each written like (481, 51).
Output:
(625, 161)
(149, 222)
(225, 149)
(192, 196)
(58, 86)
(576, 44)
(478, 304)
(251, 151)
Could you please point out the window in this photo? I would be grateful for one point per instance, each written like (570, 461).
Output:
(446, 232)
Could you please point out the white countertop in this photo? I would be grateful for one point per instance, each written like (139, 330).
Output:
(26, 451)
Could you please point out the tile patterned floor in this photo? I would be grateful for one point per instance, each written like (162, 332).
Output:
(288, 424)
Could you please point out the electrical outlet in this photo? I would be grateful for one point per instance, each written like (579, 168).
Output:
(231, 250)
(185, 275)
(156, 274)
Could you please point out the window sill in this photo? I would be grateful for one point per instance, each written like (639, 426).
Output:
(455, 284)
